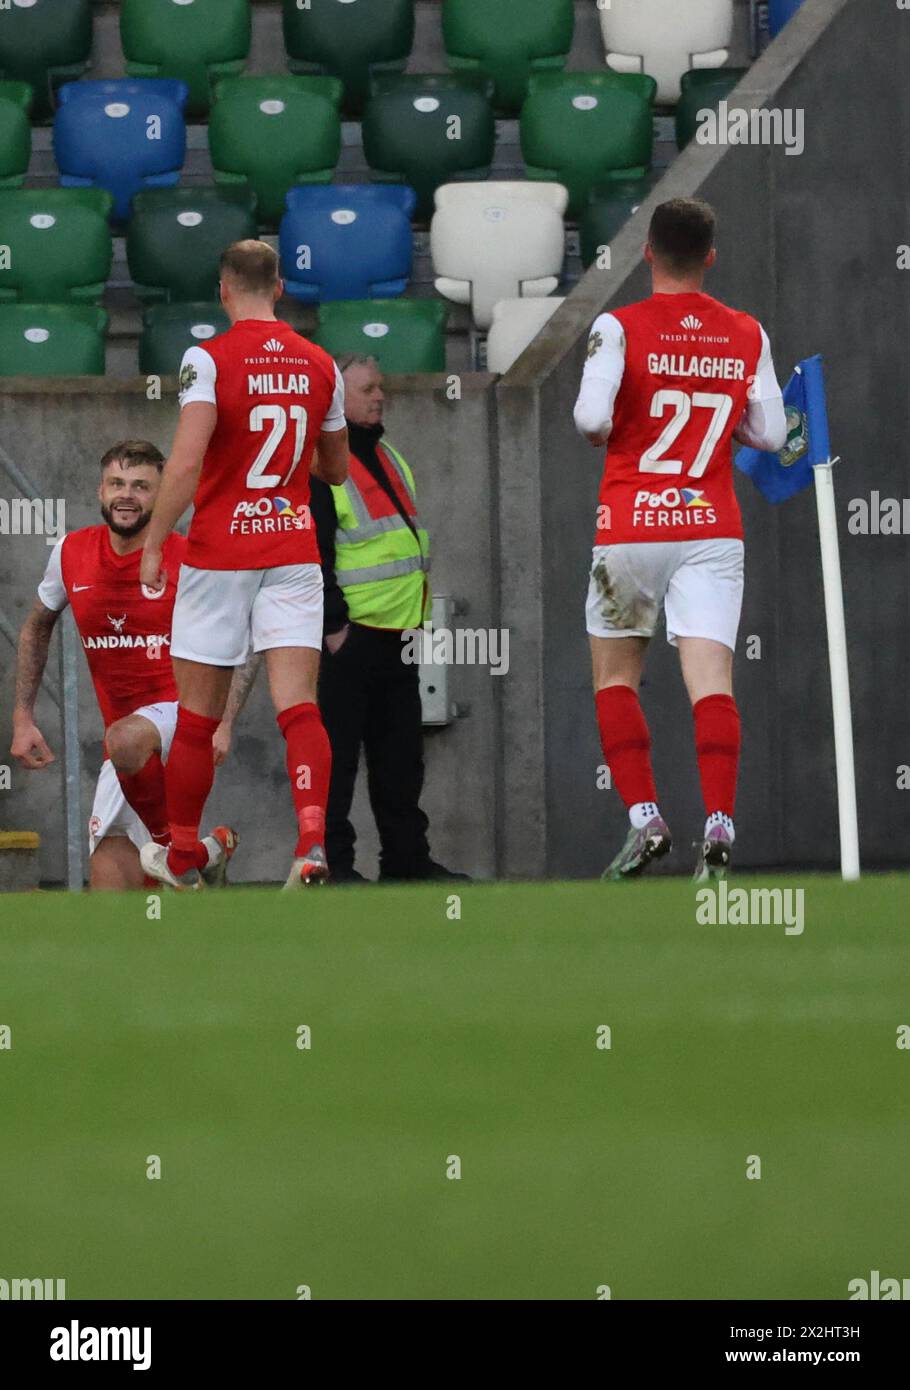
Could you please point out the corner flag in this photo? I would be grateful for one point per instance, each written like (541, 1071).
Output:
(806, 456)
(783, 475)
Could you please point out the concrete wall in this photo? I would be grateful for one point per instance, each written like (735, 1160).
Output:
(808, 244)
(56, 432)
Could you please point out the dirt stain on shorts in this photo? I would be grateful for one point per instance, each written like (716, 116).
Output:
(623, 606)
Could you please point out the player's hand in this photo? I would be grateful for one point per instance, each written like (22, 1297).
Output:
(151, 570)
(336, 640)
(221, 741)
(29, 747)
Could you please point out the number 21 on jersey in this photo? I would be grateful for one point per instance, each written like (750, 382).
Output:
(277, 417)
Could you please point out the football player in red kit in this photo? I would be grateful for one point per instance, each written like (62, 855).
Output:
(126, 635)
(669, 383)
(260, 407)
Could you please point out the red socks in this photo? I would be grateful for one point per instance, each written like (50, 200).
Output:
(626, 743)
(717, 743)
(309, 762)
(189, 775)
(144, 790)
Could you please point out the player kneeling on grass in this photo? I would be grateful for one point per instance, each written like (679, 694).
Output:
(255, 404)
(669, 383)
(126, 636)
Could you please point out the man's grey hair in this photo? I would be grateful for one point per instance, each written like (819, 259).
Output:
(354, 359)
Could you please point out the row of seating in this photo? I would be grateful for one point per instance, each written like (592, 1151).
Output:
(44, 42)
(488, 241)
(405, 335)
(270, 134)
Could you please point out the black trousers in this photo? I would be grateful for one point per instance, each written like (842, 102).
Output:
(369, 697)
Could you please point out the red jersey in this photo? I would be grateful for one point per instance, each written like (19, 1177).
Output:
(685, 364)
(274, 391)
(125, 632)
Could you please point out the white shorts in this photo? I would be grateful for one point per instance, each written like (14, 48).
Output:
(699, 583)
(111, 812)
(217, 612)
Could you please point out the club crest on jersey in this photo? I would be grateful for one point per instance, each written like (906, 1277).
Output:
(595, 343)
(691, 322)
(273, 345)
(116, 623)
(797, 445)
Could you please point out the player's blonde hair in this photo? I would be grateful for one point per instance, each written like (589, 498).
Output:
(251, 266)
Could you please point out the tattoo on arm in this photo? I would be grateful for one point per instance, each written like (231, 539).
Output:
(31, 654)
(241, 685)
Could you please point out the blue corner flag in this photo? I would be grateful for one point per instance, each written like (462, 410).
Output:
(783, 475)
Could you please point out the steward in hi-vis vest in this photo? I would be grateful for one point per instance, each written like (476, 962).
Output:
(375, 564)
(382, 552)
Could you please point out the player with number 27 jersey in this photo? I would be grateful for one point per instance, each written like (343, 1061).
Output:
(275, 392)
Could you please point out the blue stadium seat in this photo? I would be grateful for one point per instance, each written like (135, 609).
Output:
(121, 135)
(779, 12)
(347, 241)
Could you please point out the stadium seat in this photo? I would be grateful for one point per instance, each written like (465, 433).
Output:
(347, 241)
(703, 89)
(350, 39)
(176, 236)
(610, 205)
(404, 335)
(274, 132)
(122, 135)
(507, 41)
(195, 40)
(52, 340)
(666, 37)
(44, 43)
(407, 132)
(15, 133)
(779, 12)
(60, 245)
(492, 241)
(516, 323)
(169, 329)
(581, 128)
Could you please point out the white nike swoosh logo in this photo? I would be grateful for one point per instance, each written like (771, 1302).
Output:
(77, 588)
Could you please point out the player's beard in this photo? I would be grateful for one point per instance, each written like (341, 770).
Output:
(119, 528)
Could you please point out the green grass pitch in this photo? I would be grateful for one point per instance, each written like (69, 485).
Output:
(430, 1037)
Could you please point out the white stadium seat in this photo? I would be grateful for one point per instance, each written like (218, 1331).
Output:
(493, 241)
(666, 38)
(516, 323)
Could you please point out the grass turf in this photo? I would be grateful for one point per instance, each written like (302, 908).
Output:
(434, 1037)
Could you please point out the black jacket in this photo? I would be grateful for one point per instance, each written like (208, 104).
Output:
(363, 440)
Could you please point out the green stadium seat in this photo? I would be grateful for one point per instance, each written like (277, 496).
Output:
(610, 205)
(702, 89)
(198, 41)
(404, 335)
(169, 329)
(407, 127)
(579, 129)
(45, 43)
(349, 40)
(60, 246)
(15, 133)
(270, 133)
(176, 236)
(52, 340)
(507, 41)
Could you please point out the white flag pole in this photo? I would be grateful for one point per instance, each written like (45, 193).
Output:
(840, 676)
